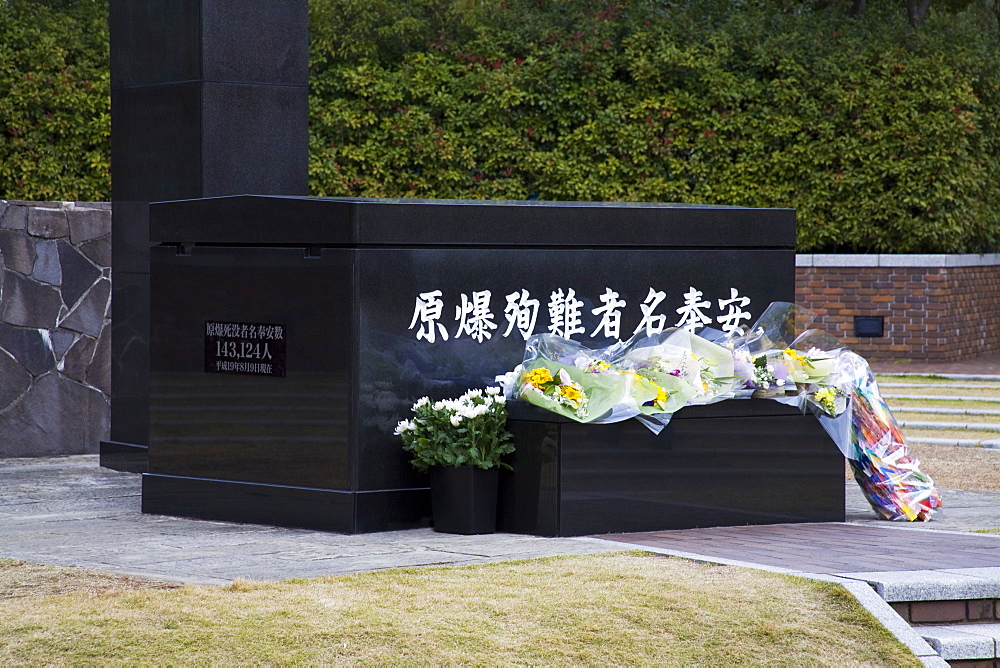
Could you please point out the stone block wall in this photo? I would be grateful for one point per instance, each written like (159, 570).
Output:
(935, 307)
(55, 331)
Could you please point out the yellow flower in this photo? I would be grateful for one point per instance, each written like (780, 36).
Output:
(825, 394)
(571, 392)
(539, 377)
(661, 397)
(794, 355)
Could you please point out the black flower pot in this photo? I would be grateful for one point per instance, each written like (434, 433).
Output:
(464, 499)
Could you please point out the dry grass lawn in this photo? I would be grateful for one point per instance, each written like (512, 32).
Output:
(619, 609)
(960, 468)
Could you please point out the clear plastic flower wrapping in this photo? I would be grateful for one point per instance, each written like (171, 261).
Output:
(652, 375)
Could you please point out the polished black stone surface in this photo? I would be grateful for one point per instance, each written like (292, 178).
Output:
(401, 222)
(130, 358)
(158, 41)
(124, 456)
(767, 464)
(318, 509)
(248, 145)
(209, 97)
(291, 430)
(379, 310)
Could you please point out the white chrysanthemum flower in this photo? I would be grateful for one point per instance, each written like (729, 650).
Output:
(493, 391)
(422, 401)
(404, 426)
(780, 382)
(456, 420)
(770, 368)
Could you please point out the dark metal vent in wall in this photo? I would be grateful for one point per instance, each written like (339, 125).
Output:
(869, 326)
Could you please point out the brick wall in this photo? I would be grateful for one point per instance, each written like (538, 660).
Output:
(936, 307)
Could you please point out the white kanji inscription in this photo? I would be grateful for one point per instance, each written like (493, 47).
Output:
(564, 314)
(691, 316)
(474, 316)
(730, 320)
(521, 312)
(652, 323)
(426, 313)
(611, 314)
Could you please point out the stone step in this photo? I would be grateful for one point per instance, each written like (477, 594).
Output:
(956, 610)
(950, 376)
(937, 410)
(927, 424)
(938, 397)
(964, 644)
(990, 444)
(950, 386)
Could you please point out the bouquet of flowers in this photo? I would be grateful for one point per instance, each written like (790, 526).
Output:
(569, 379)
(469, 431)
(651, 377)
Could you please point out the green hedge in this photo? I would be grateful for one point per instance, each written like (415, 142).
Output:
(884, 138)
(55, 100)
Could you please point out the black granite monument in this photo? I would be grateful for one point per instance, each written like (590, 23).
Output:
(291, 334)
(208, 97)
(265, 345)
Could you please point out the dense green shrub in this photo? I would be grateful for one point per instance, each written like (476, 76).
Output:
(884, 138)
(55, 100)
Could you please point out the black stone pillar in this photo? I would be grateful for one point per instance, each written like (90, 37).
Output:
(209, 98)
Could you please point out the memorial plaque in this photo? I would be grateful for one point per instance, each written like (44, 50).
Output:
(254, 349)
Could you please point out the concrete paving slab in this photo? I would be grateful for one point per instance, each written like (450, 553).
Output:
(71, 512)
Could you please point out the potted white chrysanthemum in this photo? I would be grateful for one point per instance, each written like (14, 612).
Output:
(459, 442)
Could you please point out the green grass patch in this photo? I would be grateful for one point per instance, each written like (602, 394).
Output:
(995, 532)
(619, 609)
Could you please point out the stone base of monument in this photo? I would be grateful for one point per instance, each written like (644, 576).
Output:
(735, 462)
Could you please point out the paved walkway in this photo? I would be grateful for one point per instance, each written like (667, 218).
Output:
(70, 511)
(830, 548)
